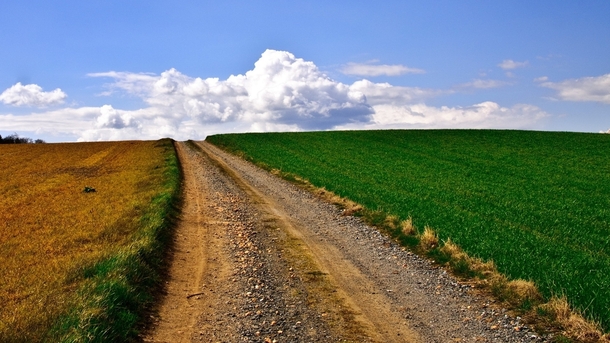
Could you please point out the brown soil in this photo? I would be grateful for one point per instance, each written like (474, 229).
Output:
(258, 259)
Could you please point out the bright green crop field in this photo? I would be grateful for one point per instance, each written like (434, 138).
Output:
(536, 203)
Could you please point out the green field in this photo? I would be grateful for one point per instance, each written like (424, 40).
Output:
(536, 203)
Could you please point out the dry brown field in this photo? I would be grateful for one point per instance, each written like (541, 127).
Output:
(50, 228)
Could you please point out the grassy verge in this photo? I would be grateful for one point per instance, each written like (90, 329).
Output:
(534, 203)
(118, 288)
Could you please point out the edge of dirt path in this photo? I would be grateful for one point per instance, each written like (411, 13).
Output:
(425, 301)
(328, 277)
(336, 286)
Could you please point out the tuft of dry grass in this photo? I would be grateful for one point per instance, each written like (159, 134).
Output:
(465, 265)
(391, 222)
(428, 239)
(519, 293)
(573, 323)
(524, 289)
(50, 229)
(453, 250)
(349, 207)
(407, 228)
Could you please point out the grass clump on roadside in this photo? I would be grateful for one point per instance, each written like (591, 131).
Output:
(81, 265)
(534, 203)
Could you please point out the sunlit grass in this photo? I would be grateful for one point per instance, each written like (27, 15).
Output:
(537, 204)
(52, 233)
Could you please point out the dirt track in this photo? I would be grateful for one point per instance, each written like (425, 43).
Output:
(257, 259)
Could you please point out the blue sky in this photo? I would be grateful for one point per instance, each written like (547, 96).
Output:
(107, 70)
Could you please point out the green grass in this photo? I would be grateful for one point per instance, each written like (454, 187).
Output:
(118, 289)
(536, 203)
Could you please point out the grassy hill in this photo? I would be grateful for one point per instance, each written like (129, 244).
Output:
(536, 203)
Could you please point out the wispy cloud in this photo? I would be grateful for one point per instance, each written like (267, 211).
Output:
(596, 89)
(510, 64)
(70, 121)
(31, 95)
(371, 69)
(479, 116)
(385, 93)
(482, 84)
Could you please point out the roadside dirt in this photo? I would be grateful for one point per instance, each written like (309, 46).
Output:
(258, 259)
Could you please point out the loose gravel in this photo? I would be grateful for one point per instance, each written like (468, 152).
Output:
(286, 266)
(433, 303)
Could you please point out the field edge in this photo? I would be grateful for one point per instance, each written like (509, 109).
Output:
(120, 288)
(552, 316)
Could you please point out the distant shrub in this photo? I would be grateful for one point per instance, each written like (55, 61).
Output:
(15, 139)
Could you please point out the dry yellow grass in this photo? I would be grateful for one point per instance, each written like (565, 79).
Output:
(349, 207)
(49, 227)
(391, 222)
(407, 227)
(428, 239)
(573, 323)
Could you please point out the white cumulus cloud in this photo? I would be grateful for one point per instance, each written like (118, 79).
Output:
(281, 89)
(510, 64)
(31, 95)
(369, 69)
(113, 119)
(595, 89)
(280, 93)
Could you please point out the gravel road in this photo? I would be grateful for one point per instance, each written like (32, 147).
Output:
(257, 259)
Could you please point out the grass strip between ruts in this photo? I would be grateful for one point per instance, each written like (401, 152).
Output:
(117, 289)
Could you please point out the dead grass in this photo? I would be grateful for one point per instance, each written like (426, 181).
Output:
(349, 207)
(428, 239)
(392, 222)
(50, 228)
(524, 289)
(407, 228)
(456, 255)
(453, 250)
(573, 323)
